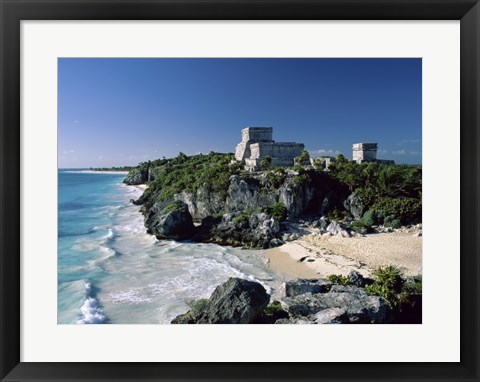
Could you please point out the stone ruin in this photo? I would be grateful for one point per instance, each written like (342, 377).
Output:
(367, 152)
(257, 144)
(364, 152)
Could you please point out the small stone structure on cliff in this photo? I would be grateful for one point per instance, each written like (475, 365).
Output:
(367, 152)
(257, 144)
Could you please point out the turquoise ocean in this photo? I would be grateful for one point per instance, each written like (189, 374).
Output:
(110, 271)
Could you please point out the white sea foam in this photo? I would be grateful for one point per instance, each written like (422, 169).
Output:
(134, 296)
(90, 310)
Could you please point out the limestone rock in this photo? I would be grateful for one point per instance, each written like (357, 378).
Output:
(172, 221)
(236, 301)
(354, 205)
(203, 203)
(359, 307)
(336, 228)
(301, 286)
(275, 243)
(295, 320)
(259, 230)
(332, 316)
(186, 318)
(304, 304)
(136, 176)
(321, 224)
(358, 280)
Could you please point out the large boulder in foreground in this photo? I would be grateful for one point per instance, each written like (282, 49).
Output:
(236, 301)
(136, 176)
(171, 221)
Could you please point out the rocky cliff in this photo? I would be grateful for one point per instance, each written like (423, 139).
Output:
(244, 208)
(310, 193)
(242, 214)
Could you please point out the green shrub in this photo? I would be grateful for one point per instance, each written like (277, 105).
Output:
(177, 205)
(359, 225)
(388, 283)
(301, 179)
(276, 177)
(318, 163)
(389, 276)
(278, 211)
(376, 217)
(414, 287)
(367, 195)
(197, 306)
(303, 158)
(273, 308)
(392, 221)
(244, 216)
(298, 168)
(338, 279)
(265, 162)
(371, 218)
(407, 210)
(335, 214)
(218, 215)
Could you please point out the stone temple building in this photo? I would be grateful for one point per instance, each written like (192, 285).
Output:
(364, 152)
(257, 144)
(367, 152)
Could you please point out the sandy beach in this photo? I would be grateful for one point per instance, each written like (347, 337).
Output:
(314, 255)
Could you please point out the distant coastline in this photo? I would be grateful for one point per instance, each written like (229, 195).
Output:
(103, 172)
(94, 171)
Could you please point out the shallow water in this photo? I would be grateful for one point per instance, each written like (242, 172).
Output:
(111, 271)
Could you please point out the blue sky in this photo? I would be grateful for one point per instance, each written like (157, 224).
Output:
(115, 112)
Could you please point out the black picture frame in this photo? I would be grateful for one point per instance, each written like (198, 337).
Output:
(13, 11)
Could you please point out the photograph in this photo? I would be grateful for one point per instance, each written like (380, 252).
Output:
(239, 191)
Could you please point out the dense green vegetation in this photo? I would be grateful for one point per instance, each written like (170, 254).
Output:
(174, 206)
(388, 283)
(183, 173)
(113, 169)
(278, 211)
(266, 162)
(390, 194)
(338, 279)
(276, 177)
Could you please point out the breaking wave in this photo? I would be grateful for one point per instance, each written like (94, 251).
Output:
(91, 310)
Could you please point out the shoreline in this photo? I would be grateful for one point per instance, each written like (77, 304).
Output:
(317, 256)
